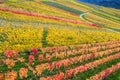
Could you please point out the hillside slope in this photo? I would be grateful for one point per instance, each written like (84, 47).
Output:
(58, 40)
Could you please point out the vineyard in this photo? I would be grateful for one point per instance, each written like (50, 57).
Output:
(58, 40)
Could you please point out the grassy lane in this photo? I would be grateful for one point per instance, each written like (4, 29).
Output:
(63, 7)
(45, 32)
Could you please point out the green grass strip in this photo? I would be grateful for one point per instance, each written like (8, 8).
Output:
(45, 32)
(63, 7)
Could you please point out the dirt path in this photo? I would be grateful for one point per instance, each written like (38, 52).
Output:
(82, 17)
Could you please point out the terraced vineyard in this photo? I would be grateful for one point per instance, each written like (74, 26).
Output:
(58, 40)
